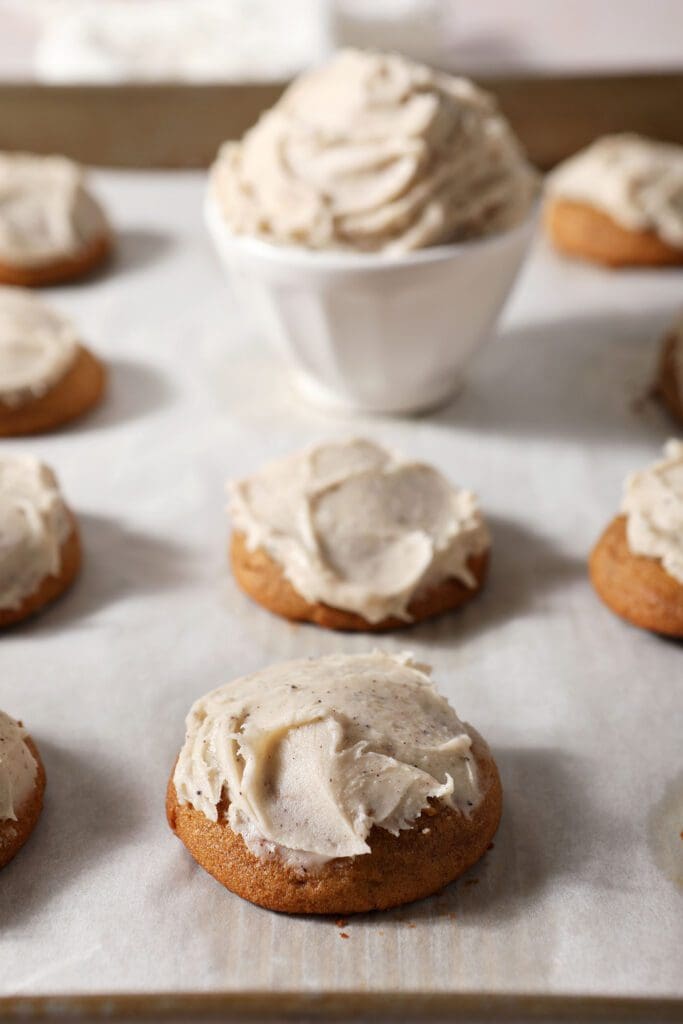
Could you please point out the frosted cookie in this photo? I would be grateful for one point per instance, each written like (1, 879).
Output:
(351, 536)
(333, 786)
(619, 202)
(669, 382)
(51, 227)
(22, 784)
(637, 565)
(40, 551)
(46, 376)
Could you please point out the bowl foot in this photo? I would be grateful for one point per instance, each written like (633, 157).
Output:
(326, 398)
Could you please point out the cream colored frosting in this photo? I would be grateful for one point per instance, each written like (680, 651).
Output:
(18, 768)
(34, 524)
(46, 213)
(358, 527)
(653, 505)
(637, 182)
(312, 754)
(37, 347)
(375, 153)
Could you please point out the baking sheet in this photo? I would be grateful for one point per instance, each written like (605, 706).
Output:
(582, 893)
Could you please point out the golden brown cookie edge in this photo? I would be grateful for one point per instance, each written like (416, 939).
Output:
(635, 587)
(78, 391)
(417, 863)
(262, 579)
(580, 230)
(70, 268)
(14, 834)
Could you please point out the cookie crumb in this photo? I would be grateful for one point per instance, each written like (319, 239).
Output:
(343, 935)
(341, 922)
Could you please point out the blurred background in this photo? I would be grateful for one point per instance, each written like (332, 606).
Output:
(112, 41)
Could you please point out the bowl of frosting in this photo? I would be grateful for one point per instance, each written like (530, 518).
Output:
(371, 225)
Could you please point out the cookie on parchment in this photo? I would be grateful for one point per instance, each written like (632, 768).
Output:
(351, 536)
(52, 229)
(333, 786)
(40, 554)
(615, 203)
(47, 377)
(637, 565)
(22, 784)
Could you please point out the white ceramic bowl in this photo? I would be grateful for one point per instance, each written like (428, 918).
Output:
(369, 332)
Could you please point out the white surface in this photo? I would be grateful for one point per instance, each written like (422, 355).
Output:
(346, 323)
(582, 712)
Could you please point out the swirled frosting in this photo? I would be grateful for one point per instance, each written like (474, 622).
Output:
(34, 524)
(37, 347)
(358, 527)
(18, 768)
(312, 754)
(46, 212)
(653, 505)
(635, 181)
(374, 152)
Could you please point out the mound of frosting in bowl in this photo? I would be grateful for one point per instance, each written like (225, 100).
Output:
(373, 152)
(312, 754)
(359, 527)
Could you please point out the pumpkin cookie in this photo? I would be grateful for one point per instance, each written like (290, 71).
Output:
(616, 203)
(333, 786)
(47, 377)
(637, 565)
(40, 554)
(22, 784)
(350, 536)
(51, 227)
(669, 382)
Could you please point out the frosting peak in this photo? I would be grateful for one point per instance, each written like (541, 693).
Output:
(37, 346)
(18, 768)
(312, 754)
(374, 152)
(34, 523)
(358, 527)
(46, 213)
(653, 505)
(637, 182)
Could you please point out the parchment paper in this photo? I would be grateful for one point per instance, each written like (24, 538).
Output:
(582, 892)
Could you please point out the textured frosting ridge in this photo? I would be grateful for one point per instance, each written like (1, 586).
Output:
(312, 754)
(34, 524)
(637, 182)
(653, 505)
(18, 768)
(358, 527)
(374, 152)
(37, 347)
(46, 213)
